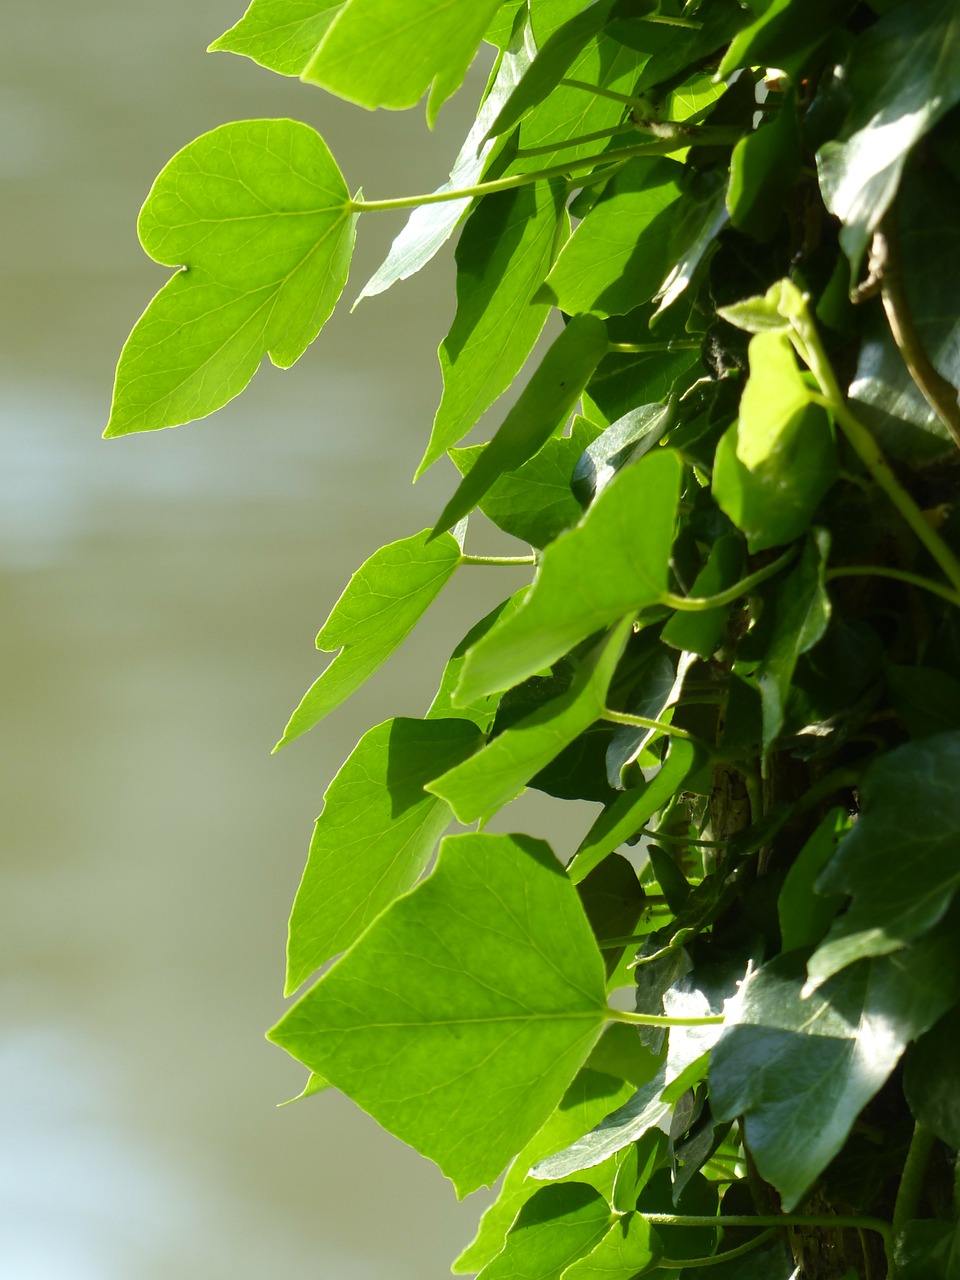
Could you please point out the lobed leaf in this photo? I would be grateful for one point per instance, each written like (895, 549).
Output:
(483, 710)
(281, 35)
(379, 607)
(459, 1019)
(258, 218)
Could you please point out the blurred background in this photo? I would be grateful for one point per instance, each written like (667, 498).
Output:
(161, 595)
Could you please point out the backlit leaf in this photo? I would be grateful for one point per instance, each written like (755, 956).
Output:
(459, 1019)
(375, 836)
(763, 168)
(555, 1227)
(482, 711)
(282, 35)
(380, 606)
(630, 1246)
(258, 218)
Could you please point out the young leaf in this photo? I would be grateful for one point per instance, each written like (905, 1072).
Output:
(258, 218)
(379, 607)
(315, 1084)
(556, 1226)
(902, 79)
(613, 563)
(388, 53)
(480, 992)
(281, 35)
(800, 1070)
(909, 801)
(629, 1247)
(544, 405)
(591, 1096)
(776, 463)
(505, 250)
(375, 836)
(619, 254)
(500, 770)
(783, 29)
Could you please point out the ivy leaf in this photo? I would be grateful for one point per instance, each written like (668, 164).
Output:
(504, 253)
(783, 30)
(926, 1250)
(908, 800)
(611, 564)
(375, 836)
(388, 53)
(627, 440)
(801, 1070)
(804, 914)
(500, 770)
(544, 404)
(763, 168)
(556, 1226)
(315, 1084)
(698, 225)
(701, 633)
(430, 226)
(619, 254)
(630, 1246)
(379, 607)
(930, 1080)
(775, 464)
(281, 35)
(459, 1019)
(902, 79)
(483, 710)
(535, 503)
(589, 1099)
(258, 217)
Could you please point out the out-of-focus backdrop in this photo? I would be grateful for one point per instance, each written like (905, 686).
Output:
(161, 594)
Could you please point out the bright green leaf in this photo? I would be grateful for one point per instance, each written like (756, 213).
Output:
(619, 254)
(504, 253)
(763, 169)
(630, 1246)
(640, 1161)
(388, 53)
(379, 607)
(282, 35)
(315, 1084)
(459, 1019)
(544, 405)
(500, 770)
(483, 710)
(698, 224)
(774, 311)
(611, 564)
(801, 1070)
(555, 1227)
(804, 914)
(375, 836)
(909, 802)
(257, 216)
(785, 30)
(701, 633)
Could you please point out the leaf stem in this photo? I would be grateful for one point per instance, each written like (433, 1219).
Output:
(644, 722)
(671, 839)
(662, 1020)
(715, 1259)
(911, 1180)
(878, 1225)
(700, 604)
(899, 575)
(642, 348)
(508, 560)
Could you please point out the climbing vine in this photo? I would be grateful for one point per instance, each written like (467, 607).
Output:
(726, 234)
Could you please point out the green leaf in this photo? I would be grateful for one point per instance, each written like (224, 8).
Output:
(624, 818)
(609, 565)
(613, 900)
(619, 1052)
(630, 1246)
(930, 1080)
(619, 254)
(483, 710)
(589, 1099)
(459, 1019)
(701, 633)
(640, 1161)
(375, 836)
(627, 440)
(315, 1084)
(800, 1070)
(925, 699)
(281, 35)
(535, 503)
(500, 770)
(544, 405)
(801, 611)
(774, 311)
(763, 168)
(430, 225)
(257, 216)
(504, 253)
(379, 607)
(804, 914)
(554, 1228)
(902, 79)
(785, 30)
(777, 462)
(388, 53)
(699, 222)
(908, 801)
(925, 1250)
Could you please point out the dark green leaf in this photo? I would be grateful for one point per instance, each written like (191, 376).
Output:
(630, 1246)
(555, 1227)
(926, 700)
(380, 606)
(500, 771)
(928, 1251)
(544, 405)
(805, 915)
(698, 224)
(619, 254)
(640, 1161)
(504, 253)
(624, 441)
(482, 990)
(282, 35)
(613, 900)
(763, 168)
(375, 836)
(772, 1262)
(800, 1070)
(901, 861)
(901, 79)
(388, 53)
(701, 633)
(482, 711)
(258, 219)
(611, 564)
(785, 31)
(930, 1080)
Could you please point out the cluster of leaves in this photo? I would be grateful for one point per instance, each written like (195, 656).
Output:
(734, 465)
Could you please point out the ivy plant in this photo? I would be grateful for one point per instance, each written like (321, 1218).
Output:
(714, 247)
